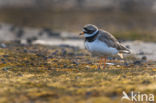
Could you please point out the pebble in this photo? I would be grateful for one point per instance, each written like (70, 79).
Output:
(70, 54)
(125, 63)
(50, 57)
(6, 68)
(137, 62)
(5, 56)
(49, 68)
(45, 58)
(2, 59)
(55, 53)
(17, 41)
(20, 75)
(74, 62)
(31, 39)
(25, 51)
(68, 46)
(74, 38)
(12, 28)
(64, 52)
(80, 54)
(146, 82)
(64, 46)
(2, 45)
(49, 33)
(127, 46)
(88, 94)
(144, 58)
(111, 58)
(141, 53)
(20, 33)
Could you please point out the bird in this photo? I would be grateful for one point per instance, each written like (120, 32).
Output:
(102, 43)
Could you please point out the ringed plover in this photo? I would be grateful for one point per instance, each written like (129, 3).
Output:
(102, 43)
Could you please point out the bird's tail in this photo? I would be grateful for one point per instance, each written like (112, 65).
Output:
(123, 49)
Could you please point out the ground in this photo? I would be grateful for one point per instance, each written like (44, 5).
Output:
(64, 74)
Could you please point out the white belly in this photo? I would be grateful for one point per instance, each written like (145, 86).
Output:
(100, 48)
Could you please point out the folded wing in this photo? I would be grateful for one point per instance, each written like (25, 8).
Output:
(111, 41)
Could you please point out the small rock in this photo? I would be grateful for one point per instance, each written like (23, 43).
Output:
(50, 57)
(74, 38)
(146, 82)
(2, 59)
(144, 58)
(32, 64)
(45, 64)
(6, 68)
(110, 58)
(141, 53)
(64, 46)
(17, 41)
(12, 28)
(2, 45)
(20, 33)
(20, 75)
(125, 63)
(127, 46)
(49, 68)
(49, 32)
(45, 58)
(71, 54)
(77, 77)
(89, 62)
(5, 56)
(31, 39)
(137, 62)
(88, 94)
(55, 53)
(64, 52)
(74, 62)
(3, 62)
(25, 51)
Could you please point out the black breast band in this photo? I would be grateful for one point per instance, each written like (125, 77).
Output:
(92, 38)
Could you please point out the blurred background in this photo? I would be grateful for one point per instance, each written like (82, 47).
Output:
(60, 21)
(126, 19)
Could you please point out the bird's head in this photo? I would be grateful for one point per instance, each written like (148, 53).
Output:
(89, 30)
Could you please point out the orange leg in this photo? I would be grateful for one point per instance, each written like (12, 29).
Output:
(105, 60)
(100, 63)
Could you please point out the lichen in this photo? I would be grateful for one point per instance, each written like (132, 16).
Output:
(37, 73)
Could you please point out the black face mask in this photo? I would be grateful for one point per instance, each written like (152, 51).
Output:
(88, 31)
(92, 38)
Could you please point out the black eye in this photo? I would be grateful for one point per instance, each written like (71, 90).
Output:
(90, 31)
(85, 29)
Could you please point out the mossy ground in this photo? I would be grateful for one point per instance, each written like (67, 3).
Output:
(44, 74)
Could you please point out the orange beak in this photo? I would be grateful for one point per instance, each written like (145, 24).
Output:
(82, 33)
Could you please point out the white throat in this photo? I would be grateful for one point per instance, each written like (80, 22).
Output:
(90, 35)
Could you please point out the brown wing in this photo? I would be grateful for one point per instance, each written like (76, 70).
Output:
(111, 41)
